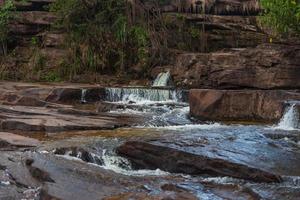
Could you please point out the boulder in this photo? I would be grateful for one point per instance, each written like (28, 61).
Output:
(268, 66)
(149, 156)
(240, 105)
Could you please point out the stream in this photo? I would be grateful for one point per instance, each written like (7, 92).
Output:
(166, 122)
(160, 152)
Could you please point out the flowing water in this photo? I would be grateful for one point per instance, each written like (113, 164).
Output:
(162, 80)
(167, 122)
(290, 119)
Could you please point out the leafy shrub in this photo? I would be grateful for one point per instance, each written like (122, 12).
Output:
(283, 16)
(101, 37)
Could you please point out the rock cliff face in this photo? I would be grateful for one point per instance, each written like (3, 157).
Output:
(268, 66)
(33, 46)
(217, 7)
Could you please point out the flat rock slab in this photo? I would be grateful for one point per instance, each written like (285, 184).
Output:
(24, 118)
(17, 140)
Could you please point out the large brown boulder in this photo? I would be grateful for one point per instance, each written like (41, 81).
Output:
(268, 66)
(240, 105)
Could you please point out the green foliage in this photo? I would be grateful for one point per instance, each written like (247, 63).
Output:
(5, 16)
(283, 16)
(34, 41)
(101, 37)
(51, 76)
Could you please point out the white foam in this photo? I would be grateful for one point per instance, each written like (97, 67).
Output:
(162, 79)
(142, 95)
(290, 120)
(195, 126)
(113, 163)
(83, 94)
(221, 180)
(5, 183)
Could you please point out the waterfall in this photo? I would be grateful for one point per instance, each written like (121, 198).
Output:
(142, 95)
(163, 79)
(290, 119)
(83, 94)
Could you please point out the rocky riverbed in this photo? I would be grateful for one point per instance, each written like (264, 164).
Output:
(65, 141)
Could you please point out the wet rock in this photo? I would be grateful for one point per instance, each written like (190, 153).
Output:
(239, 105)
(148, 156)
(268, 66)
(16, 140)
(79, 153)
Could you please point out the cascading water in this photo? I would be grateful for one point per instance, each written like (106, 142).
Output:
(143, 95)
(83, 94)
(162, 80)
(162, 107)
(290, 119)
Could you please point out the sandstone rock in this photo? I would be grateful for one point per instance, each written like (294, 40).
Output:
(23, 101)
(268, 66)
(16, 140)
(40, 18)
(148, 156)
(186, 32)
(239, 105)
(40, 119)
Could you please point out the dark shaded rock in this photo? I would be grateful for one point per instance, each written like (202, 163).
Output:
(239, 105)
(38, 174)
(73, 95)
(65, 95)
(148, 156)
(79, 153)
